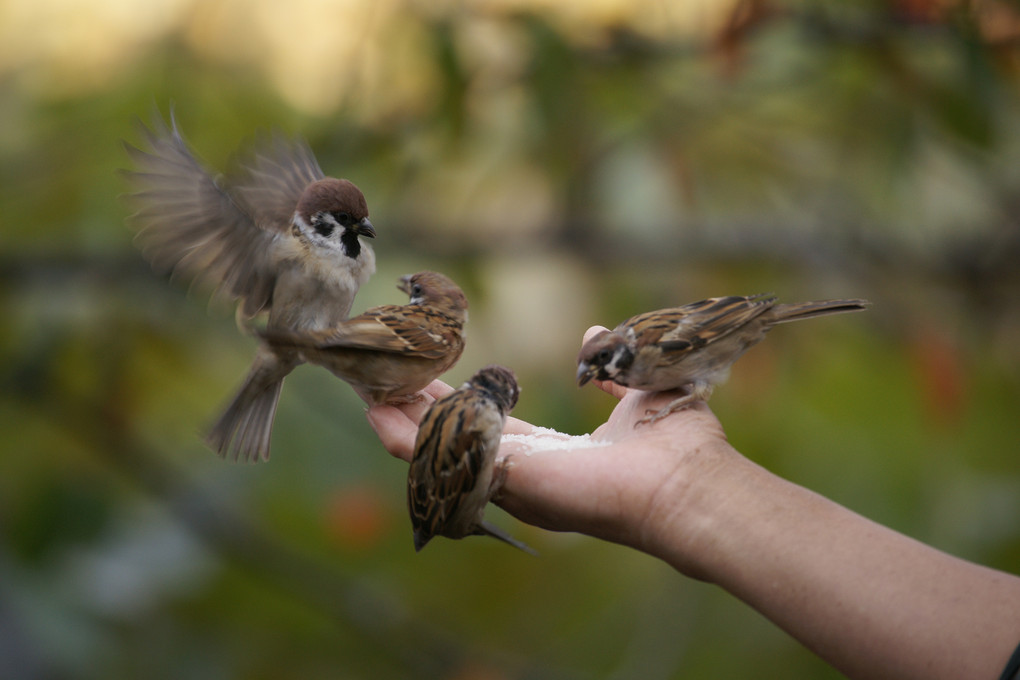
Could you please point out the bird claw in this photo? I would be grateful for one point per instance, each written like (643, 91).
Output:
(653, 415)
(695, 393)
(499, 473)
(416, 398)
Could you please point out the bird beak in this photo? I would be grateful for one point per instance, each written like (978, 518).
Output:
(585, 372)
(365, 228)
(404, 283)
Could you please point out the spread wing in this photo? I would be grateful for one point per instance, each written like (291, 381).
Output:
(189, 224)
(270, 177)
(699, 323)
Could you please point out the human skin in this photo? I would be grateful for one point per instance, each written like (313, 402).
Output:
(872, 602)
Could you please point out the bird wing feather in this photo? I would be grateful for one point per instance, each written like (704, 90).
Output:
(400, 329)
(407, 329)
(439, 483)
(188, 222)
(270, 176)
(692, 326)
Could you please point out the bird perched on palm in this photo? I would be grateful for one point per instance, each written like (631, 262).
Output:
(692, 346)
(454, 472)
(273, 233)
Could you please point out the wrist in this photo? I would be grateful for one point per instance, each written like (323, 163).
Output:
(685, 521)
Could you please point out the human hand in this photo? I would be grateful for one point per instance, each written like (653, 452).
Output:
(623, 483)
(677, 490)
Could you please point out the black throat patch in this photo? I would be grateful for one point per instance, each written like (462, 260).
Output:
(352, 246)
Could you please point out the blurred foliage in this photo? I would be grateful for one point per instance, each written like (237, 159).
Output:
(570, 163)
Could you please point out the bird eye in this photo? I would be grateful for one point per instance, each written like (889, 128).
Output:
(603, 357)
(416, 290)
(343, 217)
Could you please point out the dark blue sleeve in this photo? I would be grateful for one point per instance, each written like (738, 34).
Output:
(1012, 671)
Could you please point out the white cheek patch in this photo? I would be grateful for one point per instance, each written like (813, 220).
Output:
(331, 242)
(612, 369)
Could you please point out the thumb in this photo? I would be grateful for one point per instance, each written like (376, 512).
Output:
(591, 333)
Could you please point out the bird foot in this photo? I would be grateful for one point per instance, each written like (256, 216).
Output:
(499, 473)
(416, 398)
(695, 393)
(652, 415)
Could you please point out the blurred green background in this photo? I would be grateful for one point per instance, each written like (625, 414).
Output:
(569, 163)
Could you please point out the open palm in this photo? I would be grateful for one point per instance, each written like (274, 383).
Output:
(606, 485)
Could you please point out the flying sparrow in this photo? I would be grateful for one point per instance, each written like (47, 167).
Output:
(454, 472)
(389, 353)
(274, 233)
(692, 346)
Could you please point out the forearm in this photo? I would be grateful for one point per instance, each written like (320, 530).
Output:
(874, 603)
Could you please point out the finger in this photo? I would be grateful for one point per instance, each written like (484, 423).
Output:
(395, 430)
(517, 426)
(592, 332)
(437, 389)
(609, 387)
(414, 410)
(415, 406)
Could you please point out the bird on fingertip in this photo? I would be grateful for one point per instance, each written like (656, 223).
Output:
(388, 354)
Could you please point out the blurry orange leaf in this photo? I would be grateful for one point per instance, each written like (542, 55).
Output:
(999, 22)
(922, 11)
(357, 517)
(940, 374)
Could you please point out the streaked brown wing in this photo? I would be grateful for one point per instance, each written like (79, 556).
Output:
(449, 455)
(189, 225)
(700, 323)
(270, 176)
(404, 329)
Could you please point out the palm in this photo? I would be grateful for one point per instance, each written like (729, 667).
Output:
(595, 489)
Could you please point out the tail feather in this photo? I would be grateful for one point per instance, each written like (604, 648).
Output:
(420, 539)
(805, 310)
(244, 430)
(487, 529)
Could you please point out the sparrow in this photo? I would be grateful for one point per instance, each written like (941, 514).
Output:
(274, 234)
(692, 346)
(389, 353)
(453, 472)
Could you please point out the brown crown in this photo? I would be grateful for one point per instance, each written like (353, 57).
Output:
(332, 194)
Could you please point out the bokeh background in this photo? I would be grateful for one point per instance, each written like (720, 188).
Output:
(570, 162)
